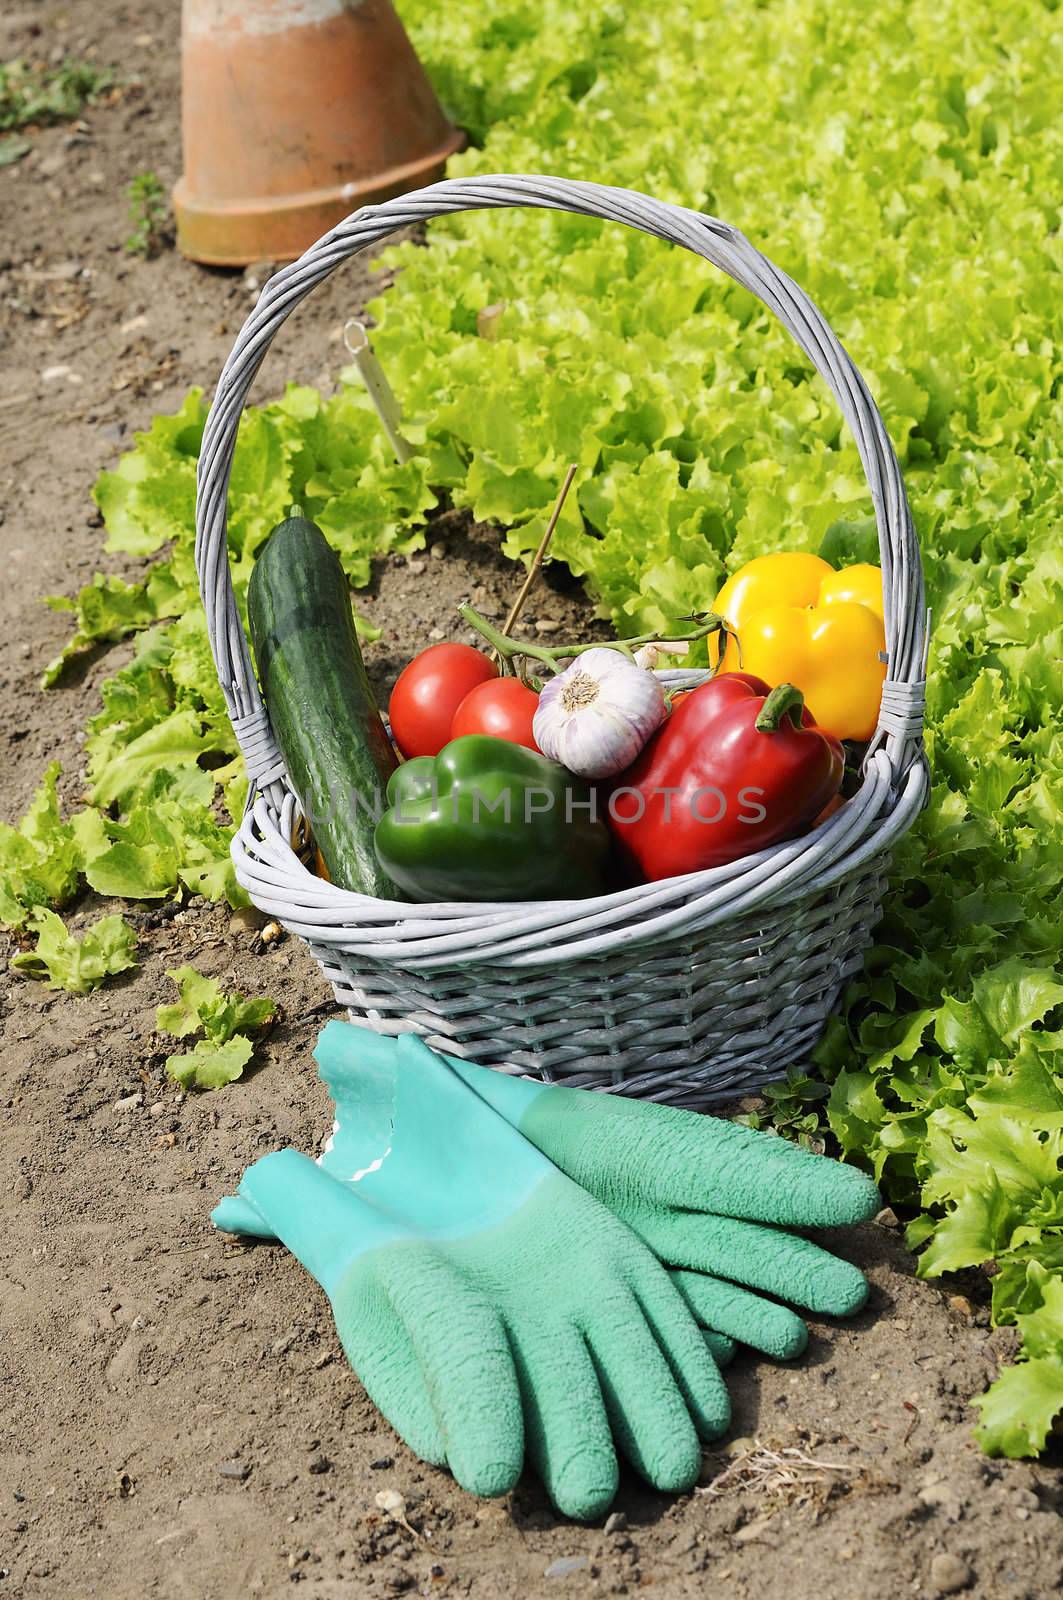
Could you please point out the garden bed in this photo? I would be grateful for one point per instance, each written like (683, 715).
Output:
(178, 1417)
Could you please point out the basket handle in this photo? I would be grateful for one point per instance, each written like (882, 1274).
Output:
(901, 717)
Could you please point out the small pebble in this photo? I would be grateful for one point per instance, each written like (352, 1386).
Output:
(886, 1218)
(437, 552)
(547, 625)
(130, 1102)
(393, 1505)
(238, 1470)
(157, 1109)
(271, 933)
(616, 1522)
(948, 1574)
(319, 1464)
(248, 919)
(258, 273)
(564, 1565)
(416, 567)
(381, 1464)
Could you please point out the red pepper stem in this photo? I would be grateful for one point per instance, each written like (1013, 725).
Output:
(785, 699)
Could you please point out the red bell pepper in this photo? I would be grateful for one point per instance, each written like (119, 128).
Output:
(737, 766)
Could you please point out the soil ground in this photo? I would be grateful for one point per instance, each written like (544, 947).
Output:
(143, 1355)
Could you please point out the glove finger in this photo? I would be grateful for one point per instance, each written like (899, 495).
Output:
(721, 1348)
(647, 1412)
(381, 1352)
(770, 1328)
(336, 1235)
(323, 1222)
(684, 1347)
(234, 1214)
(462, 1350)
(778, 1263)
(565, 1422)
(348, 1244)
(733, 1171)
(614, 1147)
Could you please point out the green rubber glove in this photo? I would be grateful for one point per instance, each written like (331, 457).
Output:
(485, 1300)
(698, 1190)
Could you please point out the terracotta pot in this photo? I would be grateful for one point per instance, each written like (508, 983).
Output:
(295, 113)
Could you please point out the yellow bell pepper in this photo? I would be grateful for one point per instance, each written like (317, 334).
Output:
(862, 584)
(799, 621)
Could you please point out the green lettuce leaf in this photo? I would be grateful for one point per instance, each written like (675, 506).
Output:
(108, 609)
(41, 859)
(210, 1065)
(223, 1021)
(78, 965)
(1019, 1409)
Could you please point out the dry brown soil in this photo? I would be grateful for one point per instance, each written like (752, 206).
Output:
(142, 1353)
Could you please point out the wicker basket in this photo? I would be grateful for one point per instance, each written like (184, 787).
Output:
(686, 991)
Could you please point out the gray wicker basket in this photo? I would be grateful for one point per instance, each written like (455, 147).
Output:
(686, 991)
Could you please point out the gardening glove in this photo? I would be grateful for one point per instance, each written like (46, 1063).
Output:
(473, 1286)
(697, 1189)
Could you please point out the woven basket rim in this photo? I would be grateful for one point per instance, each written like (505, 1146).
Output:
(895, 780)
(532, 933)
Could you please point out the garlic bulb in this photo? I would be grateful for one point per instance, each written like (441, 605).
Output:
(595, 717)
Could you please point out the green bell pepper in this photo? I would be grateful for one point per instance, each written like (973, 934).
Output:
(489, 820)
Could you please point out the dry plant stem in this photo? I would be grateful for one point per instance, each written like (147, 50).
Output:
(788, 1470)
(552, 656)
(537, 559)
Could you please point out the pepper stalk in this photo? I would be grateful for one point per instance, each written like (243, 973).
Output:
(784, 700)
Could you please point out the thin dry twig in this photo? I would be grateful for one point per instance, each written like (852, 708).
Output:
(537, 559)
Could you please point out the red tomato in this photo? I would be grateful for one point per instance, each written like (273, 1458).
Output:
(429, 691)
(503, 709)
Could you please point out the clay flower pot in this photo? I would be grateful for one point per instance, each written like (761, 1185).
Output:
(295, 113)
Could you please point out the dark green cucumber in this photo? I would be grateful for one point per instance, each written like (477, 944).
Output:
(319, 701)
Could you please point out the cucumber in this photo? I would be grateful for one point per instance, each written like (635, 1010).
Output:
(328, 726)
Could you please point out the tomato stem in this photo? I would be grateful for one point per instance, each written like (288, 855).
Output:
(551, 656)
